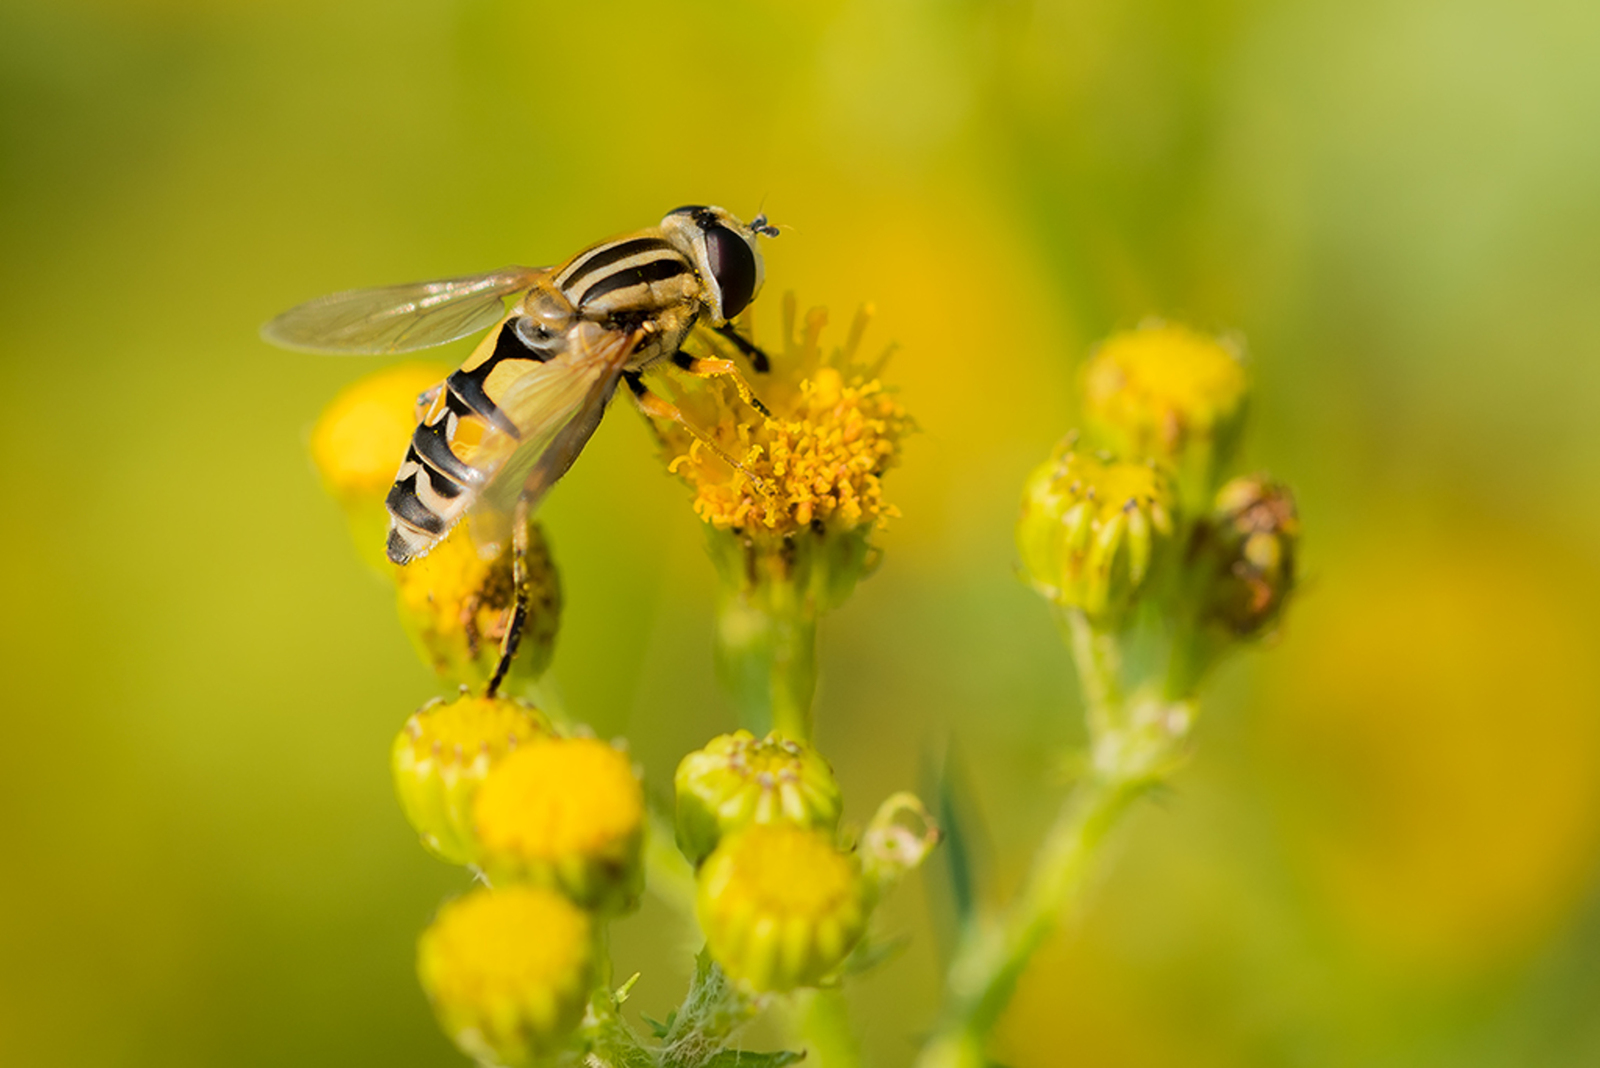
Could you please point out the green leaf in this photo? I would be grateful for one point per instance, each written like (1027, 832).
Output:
(659, 1028)
(964, 845)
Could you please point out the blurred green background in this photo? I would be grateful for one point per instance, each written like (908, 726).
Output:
(1386, 850)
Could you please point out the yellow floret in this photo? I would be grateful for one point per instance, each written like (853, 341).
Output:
(821, 456)
(567, 813)
(508, 972)
(781, 907)
(441, 756)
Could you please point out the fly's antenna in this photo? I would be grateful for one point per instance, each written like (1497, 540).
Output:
(760, 225)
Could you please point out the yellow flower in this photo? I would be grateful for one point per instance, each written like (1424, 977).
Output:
(736, 781)
(1167, 392)
(456, 606)
(359, 440)
(567, 813)
(441, 756)
(780, 906)
(1091, 528)
(508, 972)
(821, 456)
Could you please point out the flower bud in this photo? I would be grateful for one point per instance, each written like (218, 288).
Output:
(441, 756)
(566, 813)
(456, 606)
(1253, 535)
(359, 440)
(508, 972)
(736, 781)
(780, 906)
(1091, 529)
(899, 838)
(1172, 394)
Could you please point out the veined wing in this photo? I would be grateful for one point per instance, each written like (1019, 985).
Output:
(402, 318)
(558, 413)
(491, 438)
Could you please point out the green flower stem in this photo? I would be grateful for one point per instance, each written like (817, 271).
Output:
(767, 648)
(825, 1026)
(993, 955)
(1099, 664)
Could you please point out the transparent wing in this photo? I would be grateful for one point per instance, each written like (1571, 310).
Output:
(401, 318)
(556, 406)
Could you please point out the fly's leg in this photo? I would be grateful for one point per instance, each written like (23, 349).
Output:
(754, 353)
(519, 606)
(712, 368)
(657, 408)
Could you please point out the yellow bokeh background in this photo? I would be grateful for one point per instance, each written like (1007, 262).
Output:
(1385, 851)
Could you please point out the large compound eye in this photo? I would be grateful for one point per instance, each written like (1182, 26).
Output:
(733, 265)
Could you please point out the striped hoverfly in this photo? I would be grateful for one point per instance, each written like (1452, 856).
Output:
(495, 435)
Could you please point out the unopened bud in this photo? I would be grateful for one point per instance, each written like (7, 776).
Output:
(1169, 393)
(456, 606)
(441, 756)
(1091, 529)
(737, 780)
(780, 906)
(566, 813)
(508, 972)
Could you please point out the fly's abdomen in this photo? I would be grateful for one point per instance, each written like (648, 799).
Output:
(463, 436)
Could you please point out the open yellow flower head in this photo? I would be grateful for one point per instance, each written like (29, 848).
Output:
(780, 906)
(737, 780)
(835, 430)
(1092, 528)
(358, 441)
(441, 756)
(1168, 392)
(456, 605)
(508, 972)
(1253, 537)
(566, 813)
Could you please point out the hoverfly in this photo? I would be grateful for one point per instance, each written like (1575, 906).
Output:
(495, 435)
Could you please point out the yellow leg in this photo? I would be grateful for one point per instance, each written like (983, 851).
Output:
(704, 368)
(658, 408)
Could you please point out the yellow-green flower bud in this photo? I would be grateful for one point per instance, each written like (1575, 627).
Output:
(1253, 535)
(359, 440)
(1169, 393)
(567, 813)
(441, 756)
(736, 781)
(508, 972)
(1091, 529)
(780, 906)
(456, 606)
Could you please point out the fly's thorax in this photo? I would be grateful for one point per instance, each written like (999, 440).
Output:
(723, 252)
(628, 280)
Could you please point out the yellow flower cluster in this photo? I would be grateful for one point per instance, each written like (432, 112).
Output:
(835, 429)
